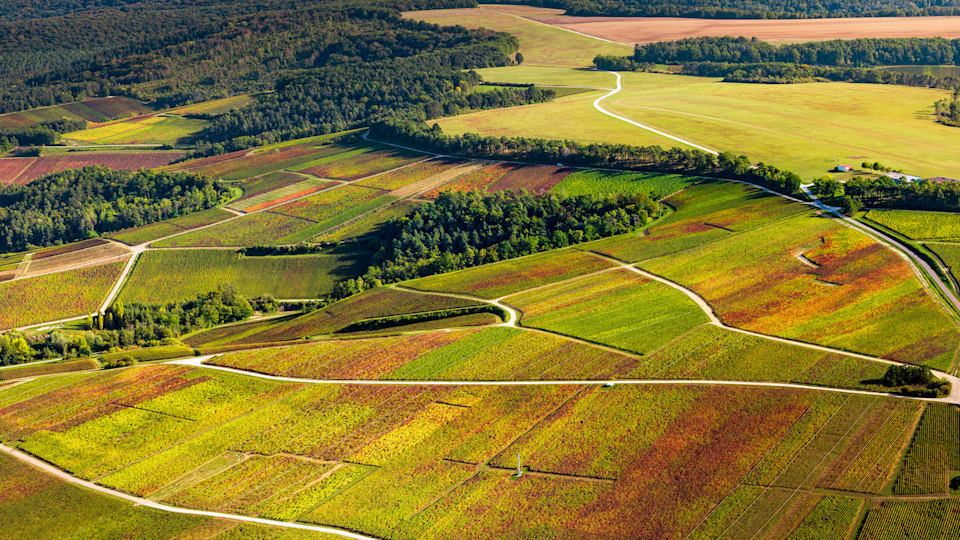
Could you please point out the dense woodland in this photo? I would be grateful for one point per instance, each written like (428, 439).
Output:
(884, 192)
(461, 230)
(84, 203)
(748, 9)
(947, 111)
(620, 156)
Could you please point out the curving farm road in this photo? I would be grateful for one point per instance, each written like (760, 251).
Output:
(596, 105)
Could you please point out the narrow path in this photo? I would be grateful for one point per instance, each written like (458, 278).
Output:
(199, 363)
(140, 501)
(596, 105)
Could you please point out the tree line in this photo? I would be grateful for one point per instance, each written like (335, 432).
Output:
(601, 155)
(947, 110)
(461, 230)
(91, 201)
(748, 9)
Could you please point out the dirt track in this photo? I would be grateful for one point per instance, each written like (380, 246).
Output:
(646, 29)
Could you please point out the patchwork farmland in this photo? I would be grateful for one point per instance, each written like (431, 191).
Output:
(645, 373)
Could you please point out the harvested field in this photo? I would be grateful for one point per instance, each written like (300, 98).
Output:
(617, 308)
(42, 263)
(49, 164)
(477, 180)
(508, 277)
(537, 179)
(43, 298)
(630, 30)
(875, 304)
(146, 233)
(173, 275)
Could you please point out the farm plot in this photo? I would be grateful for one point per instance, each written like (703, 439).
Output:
(335, 206)
(54, 163)
(176, 275)
(364, 161)
(537, 179)
(379, 302)
(617, 308)
(216, 107)
(89, 252)
(370, 222)
(515, 275)
(147, 129)
(477, 180)
(91, 110)
(704, 213)
(153, 231)
(933, 453)
(833, 517)
(600, 183)
(282, 195)
(919, 225)
(34, 503)
(408, 175)
(921, 519)
(710, 352)
(489, 354)
(56, 296)
(262, 228)
(950, 255)
(813, 279)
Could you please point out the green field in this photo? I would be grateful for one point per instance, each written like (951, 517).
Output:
(507, 277)
(146, 233)
(369, 222)
(262, 228)
(950, 255)
(933, 453)
(617, 308)
(599, 183)
(540, 44)
(806, 128)
(155, 129)
(175, 275)
(919, 225)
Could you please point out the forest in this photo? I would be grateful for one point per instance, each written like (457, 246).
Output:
(85, 203)
(884, 192)
(748, 9)
(947, 110)
(461, 230)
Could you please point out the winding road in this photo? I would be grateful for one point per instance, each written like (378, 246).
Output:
(597, 106)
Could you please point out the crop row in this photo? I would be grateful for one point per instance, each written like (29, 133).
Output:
(600, 183)
(507, 277)
(617, 308)
(262, 228)
(933, 452)
(408, 175)
(42, 298)
(919, 225)
(363, 164)
(908, 519)
(478, 180)
(47, 369)
(22, 172)
(146, 233)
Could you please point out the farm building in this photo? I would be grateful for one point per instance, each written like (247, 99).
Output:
(900, 177)
(844, 168)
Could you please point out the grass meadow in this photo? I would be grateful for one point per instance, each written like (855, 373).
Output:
(807, 128)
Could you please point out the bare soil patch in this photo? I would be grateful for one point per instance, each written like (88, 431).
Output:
(646, 29)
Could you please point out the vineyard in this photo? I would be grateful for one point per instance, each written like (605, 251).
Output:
(364, 161)
(146, 233)
(26, 170)
(507, 277)
(813, 279)
(617, 308)
(91, 110)
(145, 129)
(262, 228)
(176, 275)
(478, 180)
(656, 186)
(42, 298)
(919, 225)
(931, 519)
(932, 454)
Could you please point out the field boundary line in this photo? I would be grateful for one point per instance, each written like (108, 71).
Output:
(198, 362)
(139, 501)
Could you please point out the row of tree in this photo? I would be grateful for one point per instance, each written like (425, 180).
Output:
(85, 203)
(602, 155)
(749, 9)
